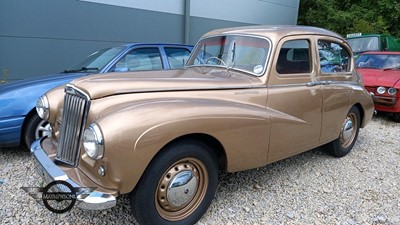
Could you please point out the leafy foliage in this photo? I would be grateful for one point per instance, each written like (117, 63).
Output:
(352, 16)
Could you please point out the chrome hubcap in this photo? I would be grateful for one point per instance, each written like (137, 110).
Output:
(43, 129)
(178, 187)
(181, 189)
(348, 131)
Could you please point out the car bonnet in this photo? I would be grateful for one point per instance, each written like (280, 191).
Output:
(375, 77)
(170, 80)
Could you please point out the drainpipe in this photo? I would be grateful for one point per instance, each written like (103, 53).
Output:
(187, 21)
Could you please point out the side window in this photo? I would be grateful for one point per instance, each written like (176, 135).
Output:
(177, 57)
(294, 57)
(140, 59)
(334, 58)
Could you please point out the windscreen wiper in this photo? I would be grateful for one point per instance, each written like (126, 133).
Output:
(83, 69)
(391, 68)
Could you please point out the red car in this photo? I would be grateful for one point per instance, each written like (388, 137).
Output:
(381, 74)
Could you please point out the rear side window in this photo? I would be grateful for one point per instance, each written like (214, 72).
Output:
(334, 58)
(177, 57)
(294, 57)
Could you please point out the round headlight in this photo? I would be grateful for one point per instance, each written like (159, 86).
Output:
(42, 107)
(392, 91)
(381, 90)
(93, 142)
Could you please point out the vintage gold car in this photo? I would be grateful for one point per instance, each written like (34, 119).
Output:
(248, 97)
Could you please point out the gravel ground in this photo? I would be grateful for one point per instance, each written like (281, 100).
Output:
(310, 188)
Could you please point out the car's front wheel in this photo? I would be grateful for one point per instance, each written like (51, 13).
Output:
(35, 128)
(348, 134)
(178, 185)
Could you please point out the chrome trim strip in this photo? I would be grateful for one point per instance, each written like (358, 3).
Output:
(287, 85)
(188, 89)
(72, 89)
(312, 83)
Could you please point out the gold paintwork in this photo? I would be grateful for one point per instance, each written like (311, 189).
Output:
(256, 120)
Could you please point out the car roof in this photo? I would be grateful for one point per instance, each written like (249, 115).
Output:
(271, 31)
(380, 53)
(155, 44)
(361, 35)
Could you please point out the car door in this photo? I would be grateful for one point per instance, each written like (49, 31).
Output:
(335, 73)
(294, 97)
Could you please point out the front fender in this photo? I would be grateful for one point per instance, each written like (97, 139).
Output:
(19, 100)
(135, 133)
(15, 105)
(363, 98)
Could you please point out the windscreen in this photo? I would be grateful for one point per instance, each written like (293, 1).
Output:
(99, 59)
(378, 61)
(244, 53)
(363, 44)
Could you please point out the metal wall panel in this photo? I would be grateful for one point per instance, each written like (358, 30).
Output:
(46, 36)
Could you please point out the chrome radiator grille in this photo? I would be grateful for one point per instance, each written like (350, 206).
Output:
(76, 107)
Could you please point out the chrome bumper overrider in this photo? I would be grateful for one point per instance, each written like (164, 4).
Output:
(50, 172)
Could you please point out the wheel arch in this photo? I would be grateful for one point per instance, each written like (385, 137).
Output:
(23, 128)
(215, 145)
(208, 140)
(29, 115)
(361, 110)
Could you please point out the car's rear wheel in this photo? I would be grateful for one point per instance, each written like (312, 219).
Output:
(348, 134)
(178, 185)
(35, 128)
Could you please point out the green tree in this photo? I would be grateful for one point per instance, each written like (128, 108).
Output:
(352, 16)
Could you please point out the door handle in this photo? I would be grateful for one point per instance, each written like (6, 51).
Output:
(315, 83)
(326, 82)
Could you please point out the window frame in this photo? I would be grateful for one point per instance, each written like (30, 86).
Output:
(167, 56)
(123, 57)
(310, 57)
(343, 47)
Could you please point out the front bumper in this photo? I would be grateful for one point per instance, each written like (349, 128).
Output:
(385, 101)
(50, 172)
(386, 104)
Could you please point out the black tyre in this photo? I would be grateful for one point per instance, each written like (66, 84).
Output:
(348, 134)
(35, 128)
(396, 117)
(178, 185)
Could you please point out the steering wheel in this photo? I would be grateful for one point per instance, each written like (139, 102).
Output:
(216, 58)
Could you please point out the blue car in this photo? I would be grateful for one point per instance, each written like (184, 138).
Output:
(19, 122)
